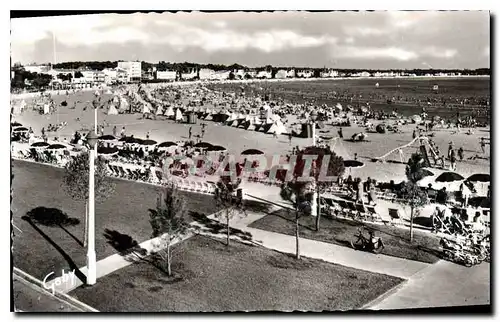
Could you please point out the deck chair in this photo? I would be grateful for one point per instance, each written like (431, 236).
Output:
(361, 211)
(432, 194)
(395, 216)
(439, 225)
(376, 216)
(159, 176)
(344, 209)
(352, 209)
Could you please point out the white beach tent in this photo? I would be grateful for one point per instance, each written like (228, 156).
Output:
(109, 92)
(112, 110)
(169, 112)
(46, 109)
(123, 104)
(277, 128)
(159, 110)
(178, 115)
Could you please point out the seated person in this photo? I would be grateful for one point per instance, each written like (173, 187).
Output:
(373, 238)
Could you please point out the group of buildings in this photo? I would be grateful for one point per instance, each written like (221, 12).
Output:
(131, 71)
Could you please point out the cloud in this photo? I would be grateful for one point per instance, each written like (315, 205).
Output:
(373, 53)
(452, 39)
(365, 31)
(349, 40)
(440, 52)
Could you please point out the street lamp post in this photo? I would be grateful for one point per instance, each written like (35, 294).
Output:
(314, 206)
(91, 256)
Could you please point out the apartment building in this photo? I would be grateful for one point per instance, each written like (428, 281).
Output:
(133, 69)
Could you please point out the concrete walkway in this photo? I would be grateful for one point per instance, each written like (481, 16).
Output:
(345, 256)
(427, 285)
(441, 284)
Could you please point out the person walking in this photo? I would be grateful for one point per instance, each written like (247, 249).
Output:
(461, 153)
(290, 138)
(190, 132)
(483, 145)
(122, 133)
(453, 161)
(114, 131)
(341, 135)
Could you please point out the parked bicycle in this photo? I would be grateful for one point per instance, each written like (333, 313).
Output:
(369, 243)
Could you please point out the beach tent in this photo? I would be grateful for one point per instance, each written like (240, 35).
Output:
(178, 115)
(109, 92)
(16, 108)
(277, 128)
(169, 111)
(208, 117)
(116, 100)
(46, 109)
(123, 104)
(159, 110)
(112, 110)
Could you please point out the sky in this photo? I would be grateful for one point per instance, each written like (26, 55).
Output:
(362, 40)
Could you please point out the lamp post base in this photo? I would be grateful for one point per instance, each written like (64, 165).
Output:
(91, 268)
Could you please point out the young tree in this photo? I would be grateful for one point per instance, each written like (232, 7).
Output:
(227, 203)
(76, 182)
(327, 164)
(295, 192)
(168, 221)
(412, 194)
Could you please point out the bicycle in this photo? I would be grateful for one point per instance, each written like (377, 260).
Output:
(360, 242)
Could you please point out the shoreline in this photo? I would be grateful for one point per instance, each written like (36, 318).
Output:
(245, 81)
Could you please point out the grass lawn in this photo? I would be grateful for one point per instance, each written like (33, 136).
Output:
(208, 277)
(39, 249)
(341, 232)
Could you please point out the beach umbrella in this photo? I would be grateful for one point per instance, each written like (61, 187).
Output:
(353, 164)
(106, 150)
(20, 129)
(40, 144)
(252, 152)
(426, 173)
(203, 145)
(479, 177)
(216, 148)
(107, 137)
(449, 177)
(56, 146)
(148, 142)
(15, 124)
(166, 144)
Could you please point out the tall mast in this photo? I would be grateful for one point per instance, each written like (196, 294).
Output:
(54, 48)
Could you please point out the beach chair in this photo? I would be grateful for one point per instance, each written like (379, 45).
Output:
(431, 195)
(344, 209)
(395, 216)
(123, 174)
(360, 211)
(110, 170)
(159, 176)
(352, 209)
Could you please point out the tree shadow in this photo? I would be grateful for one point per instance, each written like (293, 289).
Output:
(256, 206)
(68, 259)
(53, 217)
(210, 226)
